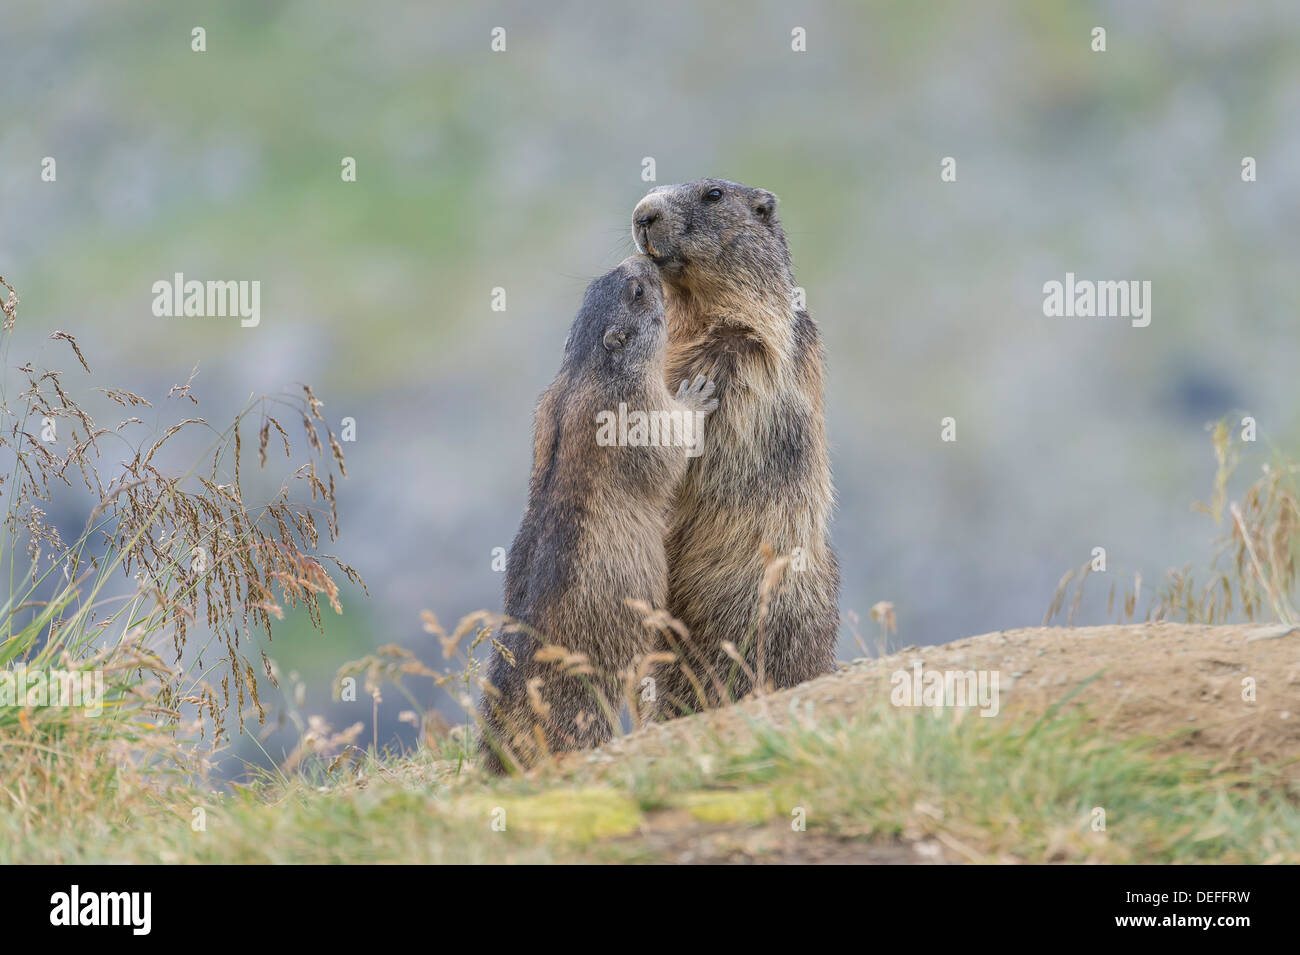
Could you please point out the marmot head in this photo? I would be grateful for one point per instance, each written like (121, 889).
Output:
(712, 232)
(620, 327)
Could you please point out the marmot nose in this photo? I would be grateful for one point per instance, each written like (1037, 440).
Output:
(646, 218)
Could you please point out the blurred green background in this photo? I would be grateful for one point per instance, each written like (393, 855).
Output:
(520, 169)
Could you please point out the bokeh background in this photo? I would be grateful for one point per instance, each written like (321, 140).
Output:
(519, 170)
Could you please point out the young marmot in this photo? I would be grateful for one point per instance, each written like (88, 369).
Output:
(764, 476)
(610, 446)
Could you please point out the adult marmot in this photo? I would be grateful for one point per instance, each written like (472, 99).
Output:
(764, 476)
(610, 446)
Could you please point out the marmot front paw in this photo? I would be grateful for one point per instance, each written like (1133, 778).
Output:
(697, 395)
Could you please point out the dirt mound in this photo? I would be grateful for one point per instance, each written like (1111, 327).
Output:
(1189, 686)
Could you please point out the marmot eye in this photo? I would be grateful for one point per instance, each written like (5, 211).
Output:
(713, 195)
(639, 291)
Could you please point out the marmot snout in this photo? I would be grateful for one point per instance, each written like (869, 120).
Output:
(714, 223)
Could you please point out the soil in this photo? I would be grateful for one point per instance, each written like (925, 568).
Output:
(1182, 684)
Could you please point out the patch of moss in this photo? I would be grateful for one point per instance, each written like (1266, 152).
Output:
(580, 815)
(748, 806)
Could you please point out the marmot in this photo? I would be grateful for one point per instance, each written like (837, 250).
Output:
(610, 446)
(764, 476)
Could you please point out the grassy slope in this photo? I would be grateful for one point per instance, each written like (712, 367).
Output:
(875, 783)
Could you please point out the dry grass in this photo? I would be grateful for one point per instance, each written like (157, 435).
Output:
(464, 675)
(169, 592)
(1253, 572)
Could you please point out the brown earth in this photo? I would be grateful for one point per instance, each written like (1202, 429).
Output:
(1182, 684)
(677, 839)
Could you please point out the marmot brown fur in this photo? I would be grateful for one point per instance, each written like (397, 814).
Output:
(764, 476)
(602, 484)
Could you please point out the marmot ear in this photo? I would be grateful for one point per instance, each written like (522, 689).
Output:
(615, 338)
(764, 204)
